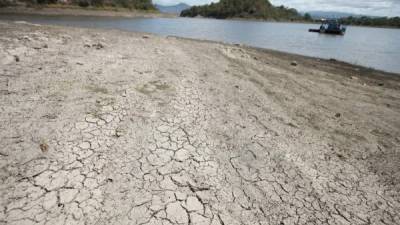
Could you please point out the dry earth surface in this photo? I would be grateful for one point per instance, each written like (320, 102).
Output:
(111, 127)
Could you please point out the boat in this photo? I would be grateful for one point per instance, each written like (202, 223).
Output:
(331, 26)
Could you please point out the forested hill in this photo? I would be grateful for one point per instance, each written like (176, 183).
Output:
(131, 4)
(258, 9)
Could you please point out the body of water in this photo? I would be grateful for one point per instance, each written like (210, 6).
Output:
(371, 47)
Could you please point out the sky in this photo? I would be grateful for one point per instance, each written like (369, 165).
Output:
(365, 7)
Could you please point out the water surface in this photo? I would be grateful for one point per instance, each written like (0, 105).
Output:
(371, 47)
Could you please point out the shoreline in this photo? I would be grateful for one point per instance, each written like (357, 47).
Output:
(103, 126)
(133, 15)
(79, 11)
(126, 13)
(368, 71)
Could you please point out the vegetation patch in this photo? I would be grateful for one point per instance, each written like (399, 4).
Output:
(258, 9)
(107, 4)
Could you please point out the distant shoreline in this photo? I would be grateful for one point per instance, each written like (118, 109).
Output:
(58, 10)
(80, 11)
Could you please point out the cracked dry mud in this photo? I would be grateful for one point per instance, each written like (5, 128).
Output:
(108, 127)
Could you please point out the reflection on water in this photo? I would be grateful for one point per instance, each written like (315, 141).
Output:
(372, 47)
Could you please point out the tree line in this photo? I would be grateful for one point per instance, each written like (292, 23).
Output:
(132, 4)
(257, 9)
(372, 21)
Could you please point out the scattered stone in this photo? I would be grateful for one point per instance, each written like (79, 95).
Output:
(124, 94)
(337, 115)
(44, 147)
(98, 46)
(293, 63)
(119, 132)
(91, 119)
(27, 38)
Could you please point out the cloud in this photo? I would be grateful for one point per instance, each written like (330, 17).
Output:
(367, 7)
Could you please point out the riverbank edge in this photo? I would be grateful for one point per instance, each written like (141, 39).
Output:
(79, 11)
(346, 70)
(350, 68)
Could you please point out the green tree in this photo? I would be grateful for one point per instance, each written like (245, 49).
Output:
(307, 17)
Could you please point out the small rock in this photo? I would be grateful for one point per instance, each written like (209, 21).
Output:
(45, 46)
(123, 94)
(91, 119)
(27, 38)
(98, 46)
(354, 78)
(337, 115)
(381, 84)
(16, 58)
(293, 63)
(86, 45)
(119, 132)
(145, 36)
(44, 147)
(237, 86)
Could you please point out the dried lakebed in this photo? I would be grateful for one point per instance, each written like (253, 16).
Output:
(111, 127)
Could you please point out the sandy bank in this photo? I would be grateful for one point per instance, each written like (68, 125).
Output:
(111, 127)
